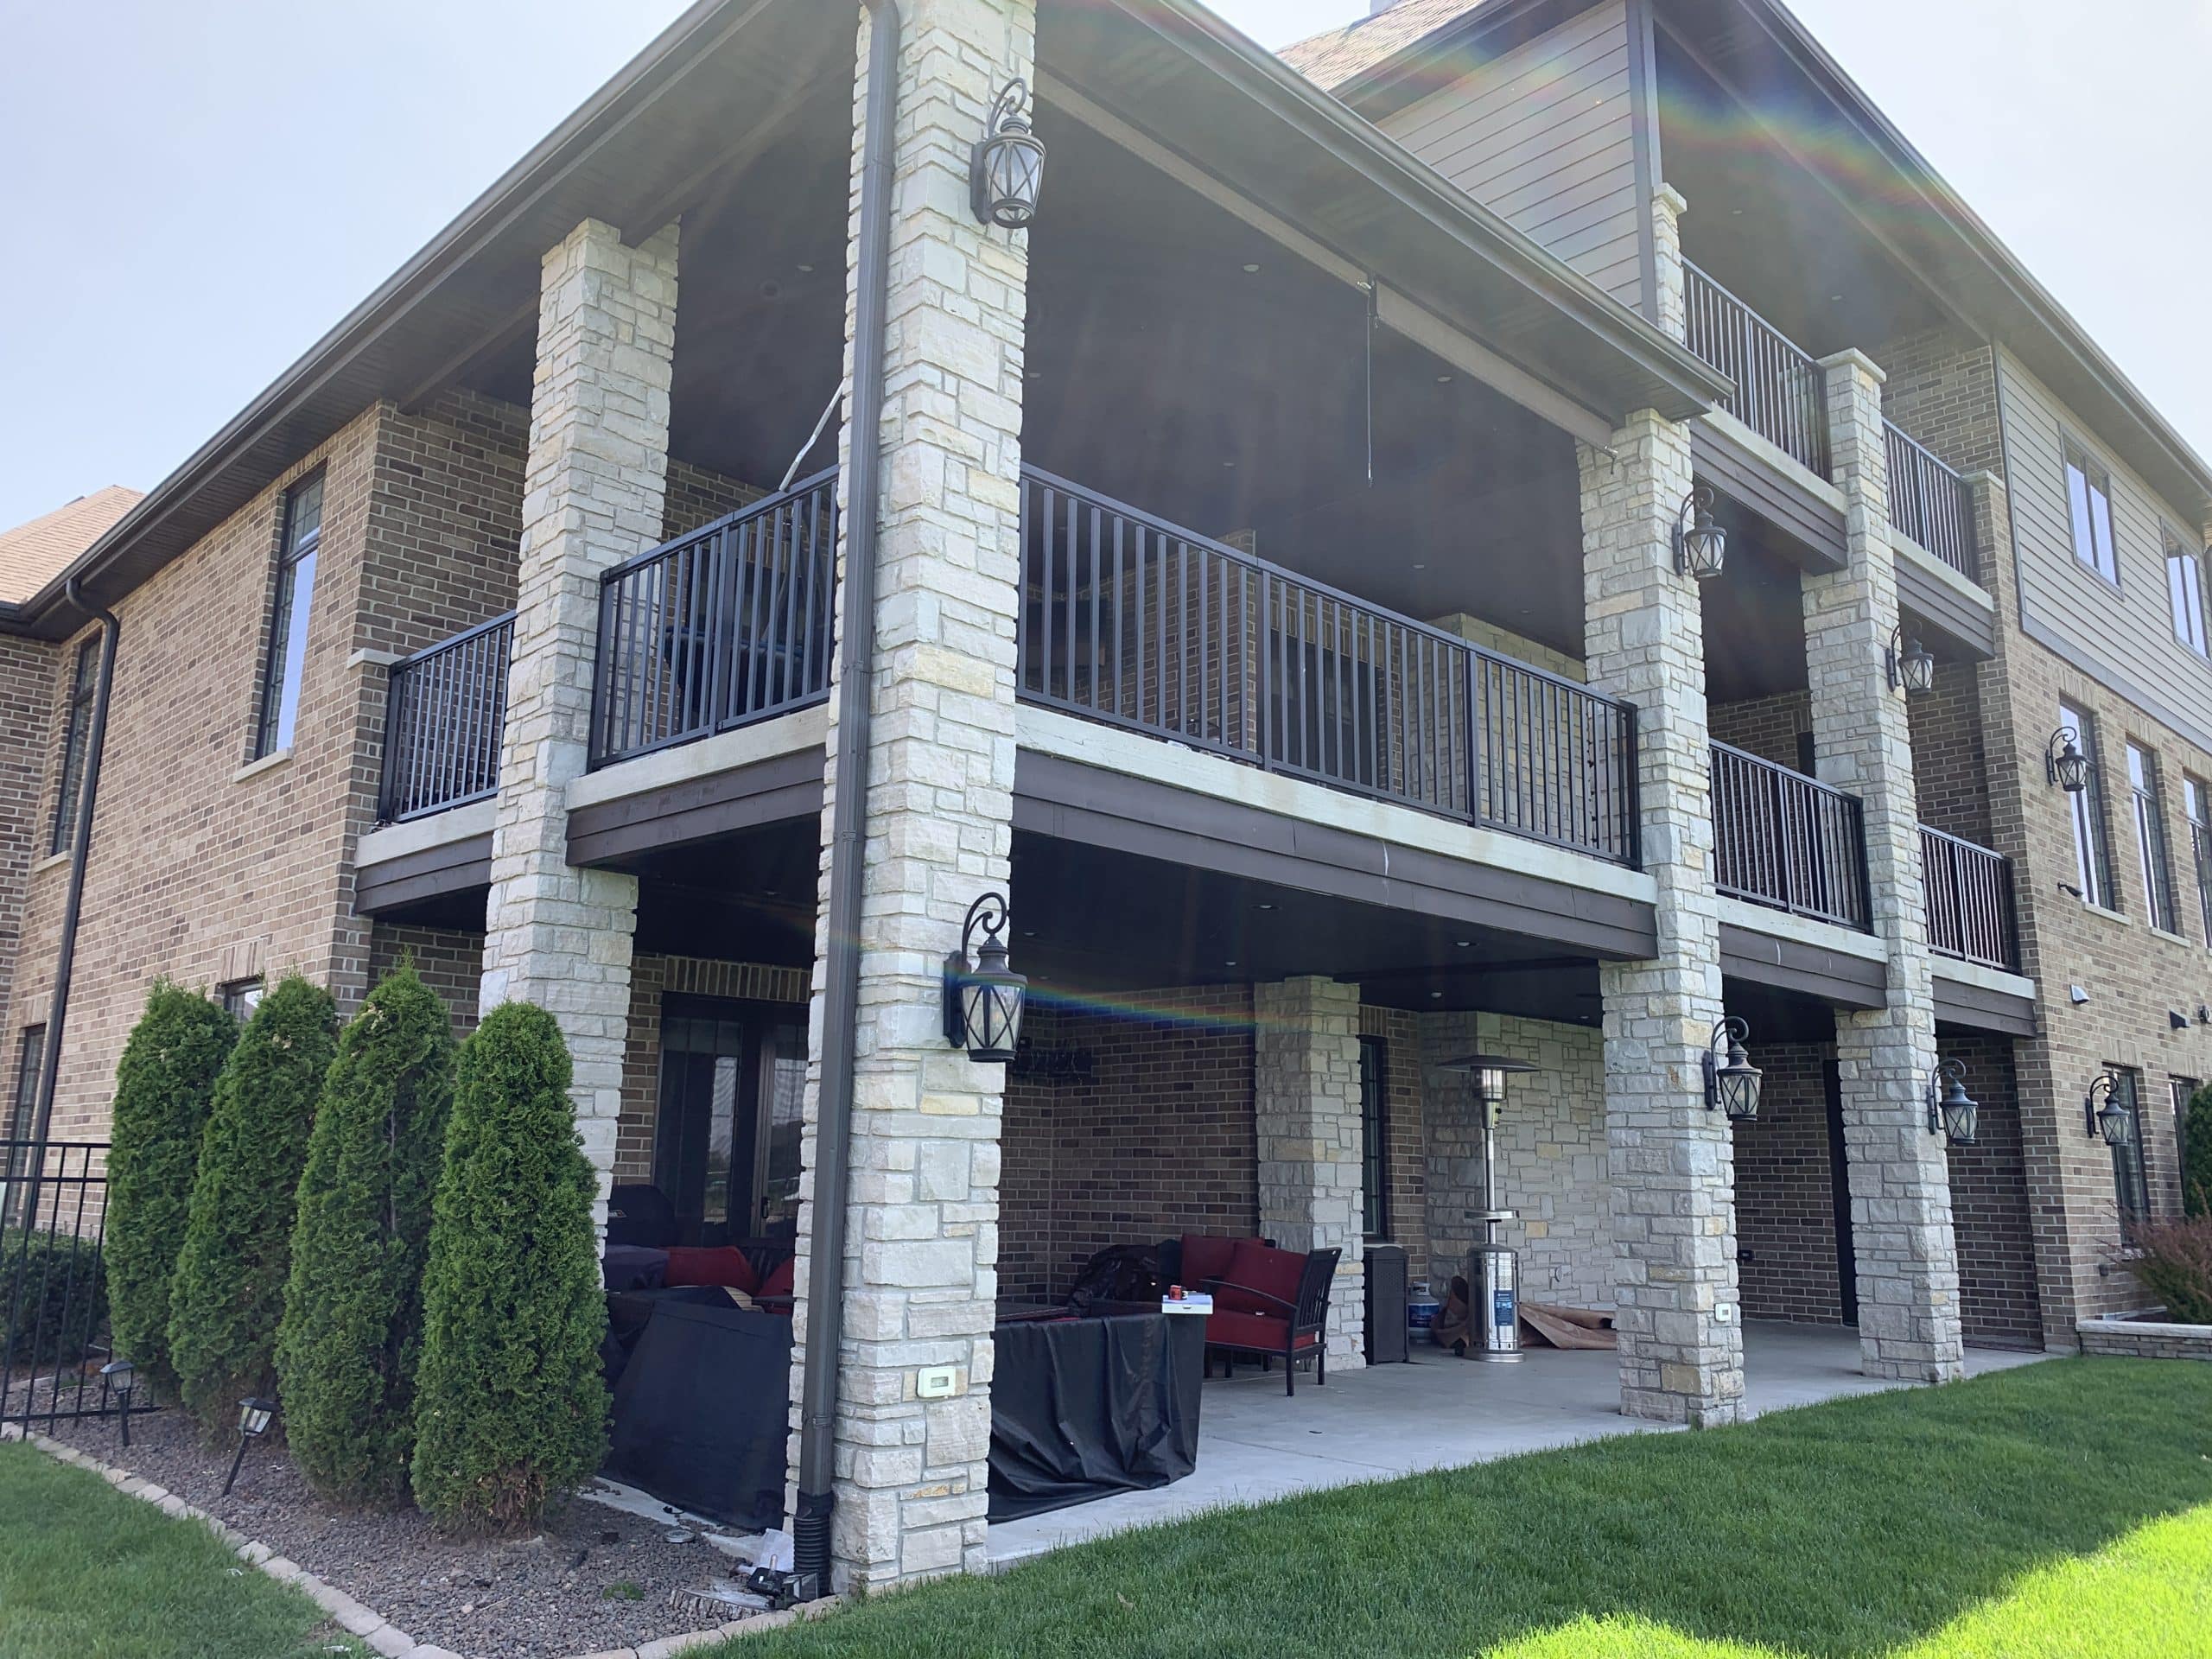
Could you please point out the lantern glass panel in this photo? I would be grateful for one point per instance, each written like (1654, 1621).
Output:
(1961, 1118)
(2116, 1124)
(1919, 669)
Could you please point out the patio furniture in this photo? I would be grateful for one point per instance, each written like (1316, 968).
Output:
(1273, 1303)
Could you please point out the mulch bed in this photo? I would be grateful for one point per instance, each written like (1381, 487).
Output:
(594, 1578)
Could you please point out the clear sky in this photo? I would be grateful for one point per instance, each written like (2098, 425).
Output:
(195, 194)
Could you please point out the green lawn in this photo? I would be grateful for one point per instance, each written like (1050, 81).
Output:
(2061, 1510)
(88, 1573)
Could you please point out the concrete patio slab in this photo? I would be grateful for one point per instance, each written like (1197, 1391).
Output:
(1437, 1413)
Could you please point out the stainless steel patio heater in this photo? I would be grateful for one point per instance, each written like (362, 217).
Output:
(1493, 1267)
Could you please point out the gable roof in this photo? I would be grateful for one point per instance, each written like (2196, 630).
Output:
(1335, 55)
(33, 554)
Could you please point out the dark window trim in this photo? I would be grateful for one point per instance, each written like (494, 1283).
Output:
(2131, 1171)
(2148, 808)
(76, 732)
(2182, 1091)
(2178, 550)
(2087, 816)
(18, 1167)
(291, 552)
(239, 997)
(1375, 1136)
(2094, 471)
(2196, 809)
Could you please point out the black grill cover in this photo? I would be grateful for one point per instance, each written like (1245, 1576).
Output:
(1081, 1408)
(699, 1410)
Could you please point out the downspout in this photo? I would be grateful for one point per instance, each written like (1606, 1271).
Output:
(65, 961)
(856, 672)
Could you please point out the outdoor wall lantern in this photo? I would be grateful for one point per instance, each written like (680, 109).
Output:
(2063, 763)
(1701, 544)
(1009, 163)
(1731, 1081)
(2106, 1116)
(123, 1376)
(254, 1417)
(1950, 1108)
(1912, 665)
(983, 998)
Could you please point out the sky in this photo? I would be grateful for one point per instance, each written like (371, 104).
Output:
(195, 194)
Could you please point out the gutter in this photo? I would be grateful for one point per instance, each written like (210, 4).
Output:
(65, 961)
(849, 785)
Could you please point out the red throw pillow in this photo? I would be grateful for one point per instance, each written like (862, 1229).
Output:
(1255, 1266)
(722, 1264)
(1205, 1256)
(778, 1283)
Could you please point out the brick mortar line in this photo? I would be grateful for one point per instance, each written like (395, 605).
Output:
(344, 1610)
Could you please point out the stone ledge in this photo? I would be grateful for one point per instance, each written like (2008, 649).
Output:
(2144, 1339)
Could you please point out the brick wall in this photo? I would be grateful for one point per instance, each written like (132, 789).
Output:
(697, 497)
(1941, 391)
(450, 962)
(29, 681)
(1950, 769)
(1989, 1200)
(650, 978)
(1405, 1144)
(1157, 1141)
(1785, 1196)
(1766, 727)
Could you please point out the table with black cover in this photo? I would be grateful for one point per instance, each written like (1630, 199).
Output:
(1083, 1407)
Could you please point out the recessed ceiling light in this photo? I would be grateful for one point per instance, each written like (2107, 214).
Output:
(1436, 996)
(1465, 944)
(1420, 567)
(1228, 964)
(1229, 466)
(1267, 906)
(809, 270)
(1443, 379)
(1738, 212)
(1838, 298)
(1251, 271)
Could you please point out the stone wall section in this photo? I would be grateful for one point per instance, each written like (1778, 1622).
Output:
(1305, 1104)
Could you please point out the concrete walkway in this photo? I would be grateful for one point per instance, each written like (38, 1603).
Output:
(1437, 1413)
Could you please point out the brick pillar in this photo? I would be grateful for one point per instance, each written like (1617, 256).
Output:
(1899, 1172)
(1671, 1161)
(1668, 207)
(592, 494)
(921, 1251)
(1305, 1103)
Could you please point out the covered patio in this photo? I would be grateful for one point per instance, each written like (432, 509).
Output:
(1437, 1412)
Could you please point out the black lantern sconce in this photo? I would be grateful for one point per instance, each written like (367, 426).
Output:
(121, 1375)
(2063, 763)
(983, 998)
(1700, 543)
(1731, 1081)
(1950, 1108)
(1912, 665)
(2105, 1117)
(1008, 167)
(255, 1415)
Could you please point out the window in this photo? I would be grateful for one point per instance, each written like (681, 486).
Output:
(288, 622)
(2088, 494)
(726, 1138)
(2185, 588)
(2091, 863)
(21, 1125)
(2131, 1184)
(2151, 836)
(2183, 1090)
(76, 733)
(2195, 803)
(240, 998)
(1374, 1155)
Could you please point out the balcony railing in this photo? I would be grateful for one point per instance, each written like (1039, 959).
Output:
(726, 626)
(443, 714)
(1132, 621)
(1788, 841)
(1969, 895)
(1780, 393)
(1931, 504)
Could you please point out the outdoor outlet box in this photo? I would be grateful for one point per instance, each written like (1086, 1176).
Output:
(936, 1382)
(1724, 1313)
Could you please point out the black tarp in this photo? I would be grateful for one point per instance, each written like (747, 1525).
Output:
(701, 1412)
(1084, 1408)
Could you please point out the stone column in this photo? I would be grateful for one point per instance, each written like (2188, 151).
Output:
(1668, 207)
(1672, 1163)
(1899, 1172)
(592, 496)
(1305, 1105)
(921, 1250)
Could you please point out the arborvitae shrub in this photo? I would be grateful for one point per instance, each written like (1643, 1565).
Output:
(229, 1293)
(164, 1087)
(346, 1352)
(510, 1407)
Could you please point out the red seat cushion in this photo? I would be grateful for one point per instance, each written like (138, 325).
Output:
(780, 1278)
(723, 1264)
(1255, 1266)
(1204, 1257)
(1252, 1331)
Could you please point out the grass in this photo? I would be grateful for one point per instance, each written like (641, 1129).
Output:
(88, 1573)
(2059, 1511)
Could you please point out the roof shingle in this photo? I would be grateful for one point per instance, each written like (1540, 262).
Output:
(33, 554)
(1333, 57)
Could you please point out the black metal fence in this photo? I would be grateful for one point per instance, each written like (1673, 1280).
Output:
(444, 711)
(726, 626)
(1931, 504)
(1132, 621)
(1780, 393)
(1969, 897)
(1788, 841)
(54, 1331)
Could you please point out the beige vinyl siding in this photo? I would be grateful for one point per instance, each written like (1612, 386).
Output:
(1543, 137)
(2129, 634)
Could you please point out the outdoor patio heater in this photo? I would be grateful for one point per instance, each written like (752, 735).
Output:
(1493, 1267)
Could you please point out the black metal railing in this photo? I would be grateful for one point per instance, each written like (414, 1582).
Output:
(1780, 393)
(1931, 504)
(54, 1330)
(1132, 621)
(726, 626)
(1969, 897)
(1788, 841)
(444, 711)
